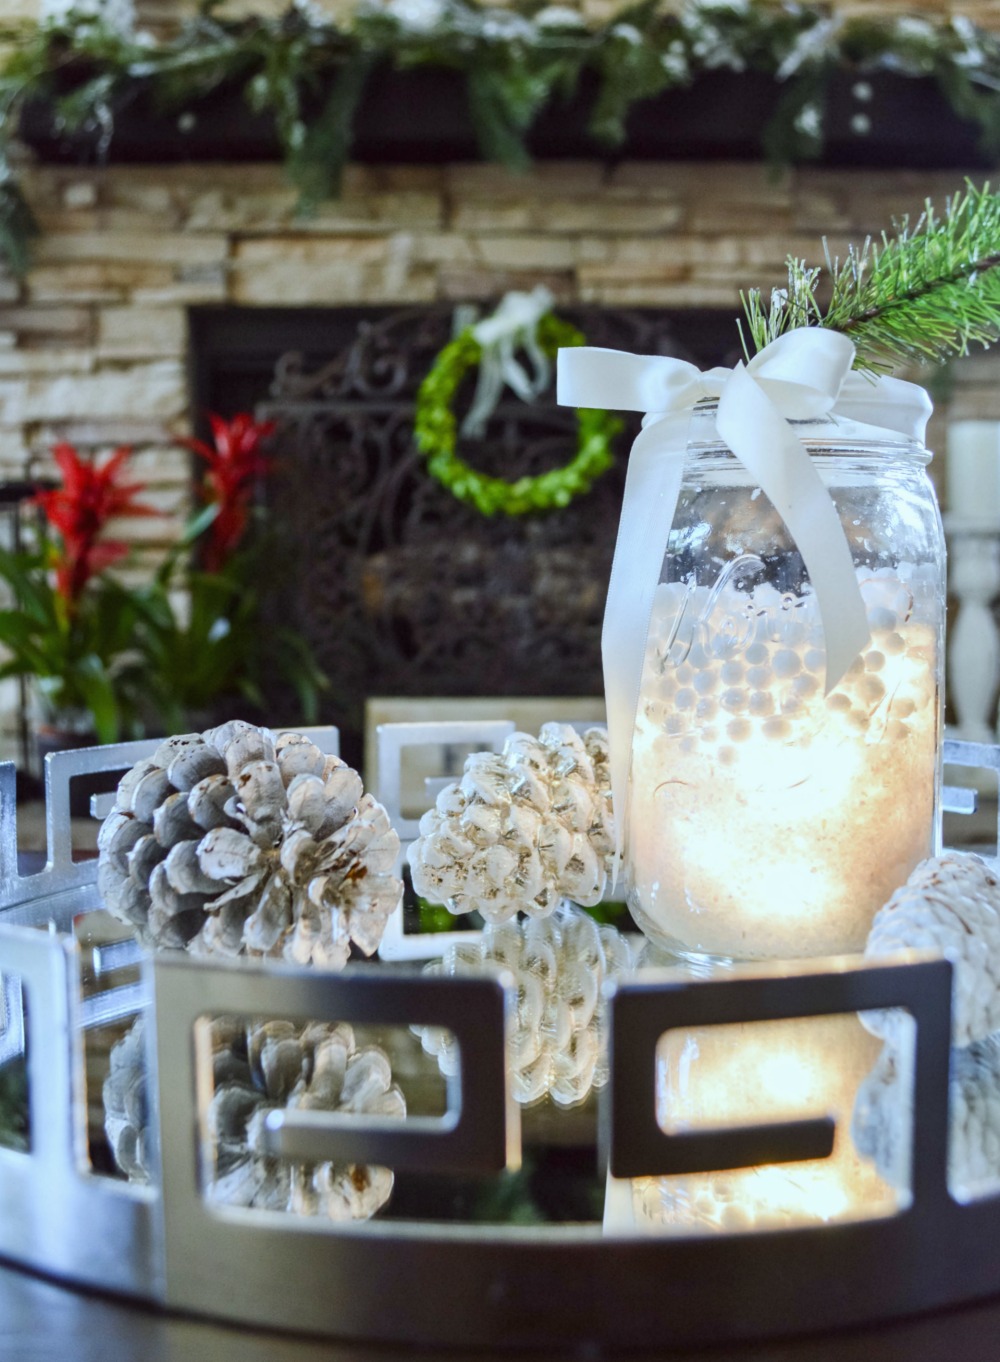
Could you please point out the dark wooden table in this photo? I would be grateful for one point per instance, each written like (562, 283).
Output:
(42, 1322)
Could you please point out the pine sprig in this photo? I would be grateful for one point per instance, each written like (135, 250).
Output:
(926, 293)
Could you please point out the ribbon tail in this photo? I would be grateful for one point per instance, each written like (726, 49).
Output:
(769, 448)
(489, 385)
(652, 485)
(515, 374)
(499, 365)
(540, 362)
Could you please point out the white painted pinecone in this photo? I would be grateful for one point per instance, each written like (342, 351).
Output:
(234, 842)
(313, 1068)
(522, 830)
(259, 1068)
(974, 1126)
(883, 1117)
(951, 904)
(126, 1109)
(559, 1043)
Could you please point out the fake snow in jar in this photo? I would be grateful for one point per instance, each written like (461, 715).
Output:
(768, 818)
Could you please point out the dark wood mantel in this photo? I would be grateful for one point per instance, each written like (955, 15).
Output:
(422, 116)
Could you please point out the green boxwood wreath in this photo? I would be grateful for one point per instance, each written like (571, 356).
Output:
(435, 433)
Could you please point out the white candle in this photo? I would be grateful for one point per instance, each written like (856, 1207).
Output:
(973, 471)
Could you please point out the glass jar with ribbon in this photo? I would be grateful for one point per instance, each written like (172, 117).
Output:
(773, 645)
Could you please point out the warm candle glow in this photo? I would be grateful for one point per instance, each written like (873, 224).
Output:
(766, 818)
(737, 1075)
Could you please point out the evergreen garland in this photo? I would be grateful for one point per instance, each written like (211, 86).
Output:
(310, 74)
(928, 292)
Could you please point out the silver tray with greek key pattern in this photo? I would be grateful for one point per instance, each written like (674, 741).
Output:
(598, 1279)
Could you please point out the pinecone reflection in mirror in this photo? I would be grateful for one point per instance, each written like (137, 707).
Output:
(235, 842)
(883, 1114)
(949, 904)
(558, 1047)
(260, 1067)
(522, 829)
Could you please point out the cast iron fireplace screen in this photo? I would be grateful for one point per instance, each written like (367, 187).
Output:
(400, 588)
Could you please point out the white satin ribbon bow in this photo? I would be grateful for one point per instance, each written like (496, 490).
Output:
(804, 374)
(512, 327)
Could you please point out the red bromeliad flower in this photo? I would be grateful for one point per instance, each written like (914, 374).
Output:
(234, 462)
(80, 509)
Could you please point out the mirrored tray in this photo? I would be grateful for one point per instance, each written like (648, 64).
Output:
(604, 1222)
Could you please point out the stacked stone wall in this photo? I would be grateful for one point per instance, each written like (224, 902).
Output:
(93, 343)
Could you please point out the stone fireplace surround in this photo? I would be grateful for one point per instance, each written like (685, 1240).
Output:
(94, 344)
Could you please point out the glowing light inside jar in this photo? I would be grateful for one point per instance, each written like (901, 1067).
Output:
(766, 818)
(737, 1075)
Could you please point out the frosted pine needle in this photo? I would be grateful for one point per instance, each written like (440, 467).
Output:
(926, 293)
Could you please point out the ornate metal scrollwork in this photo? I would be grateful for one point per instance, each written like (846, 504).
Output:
(403, 590)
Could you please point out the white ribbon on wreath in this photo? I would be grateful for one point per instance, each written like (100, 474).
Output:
(512, 327)
(803, 375)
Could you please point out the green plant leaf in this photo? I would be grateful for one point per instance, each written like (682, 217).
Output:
(98, 694)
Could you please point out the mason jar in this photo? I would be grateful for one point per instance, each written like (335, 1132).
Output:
(766, 817)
